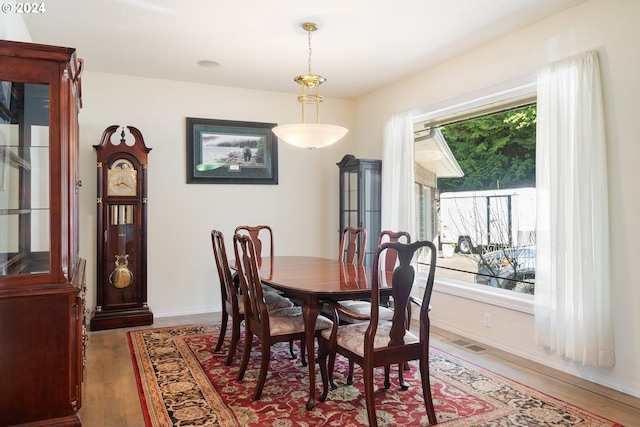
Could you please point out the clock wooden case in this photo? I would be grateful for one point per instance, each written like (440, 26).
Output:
(122, 231)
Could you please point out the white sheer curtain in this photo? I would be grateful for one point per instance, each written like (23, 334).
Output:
(572, 297)
(398, 198)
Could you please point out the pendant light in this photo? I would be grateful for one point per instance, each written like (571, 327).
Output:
(310, 135)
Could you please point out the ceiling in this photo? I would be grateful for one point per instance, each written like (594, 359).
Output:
(360, 45)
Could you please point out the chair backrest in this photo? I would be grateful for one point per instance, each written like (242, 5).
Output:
(261, 235)
(353, 240)
(402, 281)
(255, 309)
(227, 287)
(391, 256)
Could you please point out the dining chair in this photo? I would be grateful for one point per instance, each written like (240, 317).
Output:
(353, 241)
(233, 304)
(390, 259)
(262, 235)
(383, 342)
(270, 327)
(363, 307)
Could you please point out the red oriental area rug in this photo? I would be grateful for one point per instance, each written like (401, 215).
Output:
(182, 382)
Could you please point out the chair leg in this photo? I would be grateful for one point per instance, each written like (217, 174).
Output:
(350, 374)
(303, 352)
(264, 367)
(426, 389)
(387, 383)
(223, 330)
(369, 396)
(293, 354)
(332, 350)
(322, 361)
(403, 384)
(235, 338)
(248, 339)
(331, 365)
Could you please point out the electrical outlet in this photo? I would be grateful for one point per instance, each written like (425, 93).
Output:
(487, 320)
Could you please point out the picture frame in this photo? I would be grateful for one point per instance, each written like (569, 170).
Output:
(231, 152)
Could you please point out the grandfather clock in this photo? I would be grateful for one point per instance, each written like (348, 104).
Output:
(122, 232)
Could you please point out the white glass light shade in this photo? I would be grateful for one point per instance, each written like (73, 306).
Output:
(310, 135)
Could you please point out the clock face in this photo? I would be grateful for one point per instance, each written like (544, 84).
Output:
(123, 179)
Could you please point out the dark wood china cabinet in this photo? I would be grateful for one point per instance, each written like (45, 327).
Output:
(41, 275)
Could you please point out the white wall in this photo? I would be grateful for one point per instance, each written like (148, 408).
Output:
(302, 208)
(612, 28)
(12, 26)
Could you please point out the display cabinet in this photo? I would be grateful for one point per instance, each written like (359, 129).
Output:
(41, 274)
(360, 198)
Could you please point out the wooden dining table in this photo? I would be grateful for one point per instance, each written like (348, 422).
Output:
(312, 280)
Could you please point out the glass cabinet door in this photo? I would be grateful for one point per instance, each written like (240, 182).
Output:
(360, 199)
(349, 199)
(24, 179)
(371, 207)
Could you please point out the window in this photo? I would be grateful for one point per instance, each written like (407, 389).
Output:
(484, 216)
(426, 183)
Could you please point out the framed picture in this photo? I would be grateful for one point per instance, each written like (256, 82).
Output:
(231, 152)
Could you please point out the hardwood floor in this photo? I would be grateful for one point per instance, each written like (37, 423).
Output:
(110, 397)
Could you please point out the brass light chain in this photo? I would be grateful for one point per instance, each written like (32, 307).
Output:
(309, 51)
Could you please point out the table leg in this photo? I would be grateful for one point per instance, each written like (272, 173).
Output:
(310, 314)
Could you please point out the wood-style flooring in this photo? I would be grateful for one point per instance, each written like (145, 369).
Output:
(110, 396)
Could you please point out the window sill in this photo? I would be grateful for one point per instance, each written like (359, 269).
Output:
(494, 296)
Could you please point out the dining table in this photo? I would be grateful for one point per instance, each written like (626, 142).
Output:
(311, 280)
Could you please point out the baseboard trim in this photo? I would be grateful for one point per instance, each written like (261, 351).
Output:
(187, 311)
(545, 359)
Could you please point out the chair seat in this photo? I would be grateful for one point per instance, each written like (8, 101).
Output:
(272, 300)
(266, 289)
(363, 307)
(289, 320)
(351, 337)
(276, 301)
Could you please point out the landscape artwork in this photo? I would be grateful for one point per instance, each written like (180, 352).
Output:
(231, 152)
(241, 150)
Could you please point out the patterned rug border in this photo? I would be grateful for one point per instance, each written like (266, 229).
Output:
(229, 418)
(505, 378)
(136, 371)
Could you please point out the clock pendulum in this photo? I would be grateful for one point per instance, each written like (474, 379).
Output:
(121, 276)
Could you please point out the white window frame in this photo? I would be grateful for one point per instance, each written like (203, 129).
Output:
(493, 98)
